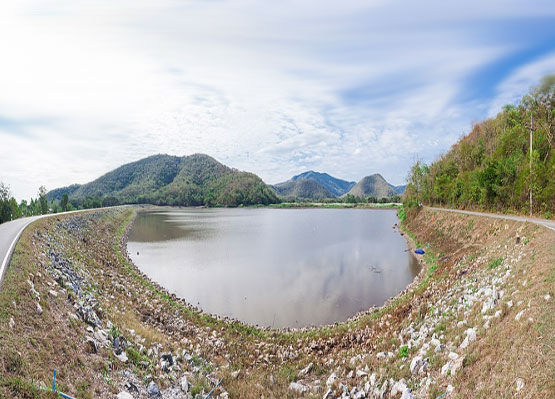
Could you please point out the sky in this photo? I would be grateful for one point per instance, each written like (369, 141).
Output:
(346, 87)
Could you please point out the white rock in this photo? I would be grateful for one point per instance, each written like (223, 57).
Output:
(470, 337)
(39, 309)
(415, 365)
(453, 356)
(122, 357)
(381, 355)
(124, 395)
(328, 394)
(450, 389)
(331, 379)
(12, 323)
(519, 384)
(361, 373)
(184, 384)
(407, 394)
(519, 315)
(547, 297)
(306, 370)
(398, 387)
(55, 295)
(298, 387)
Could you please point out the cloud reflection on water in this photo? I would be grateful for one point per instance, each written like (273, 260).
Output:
(275, 267)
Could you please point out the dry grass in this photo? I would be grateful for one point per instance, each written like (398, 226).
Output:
(507, 351)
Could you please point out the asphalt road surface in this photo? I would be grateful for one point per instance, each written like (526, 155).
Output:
(550, 224)
(9, 234)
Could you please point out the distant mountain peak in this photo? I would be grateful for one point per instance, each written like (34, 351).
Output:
(332, 185)
(373, 186)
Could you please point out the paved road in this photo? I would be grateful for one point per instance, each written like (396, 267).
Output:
(550, 224)
(9, 234)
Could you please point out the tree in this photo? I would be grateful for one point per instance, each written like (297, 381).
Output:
(5, 209)
(42, 200)
(14, 209)
(64, 201)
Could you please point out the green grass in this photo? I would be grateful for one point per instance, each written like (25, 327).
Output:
(403, 351)
(470, 225)
(495, 263)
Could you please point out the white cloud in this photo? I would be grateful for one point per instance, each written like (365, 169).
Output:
(350, 88)
(511, 89)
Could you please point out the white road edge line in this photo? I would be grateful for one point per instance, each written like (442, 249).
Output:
(10, 249)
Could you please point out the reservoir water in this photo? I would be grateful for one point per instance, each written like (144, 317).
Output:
(275, 267)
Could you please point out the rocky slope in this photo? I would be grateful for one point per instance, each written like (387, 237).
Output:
(478, 322)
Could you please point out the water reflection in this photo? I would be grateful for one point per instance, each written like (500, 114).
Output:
(275, 267)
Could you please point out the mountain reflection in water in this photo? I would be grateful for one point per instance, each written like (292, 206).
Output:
(275, 267)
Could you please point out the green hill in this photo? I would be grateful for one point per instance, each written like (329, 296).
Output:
(489, 168)
(373, 186)
(170, 180)
(336, 187)
(302, 189)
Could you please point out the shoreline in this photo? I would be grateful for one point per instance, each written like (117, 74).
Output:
(267, 329)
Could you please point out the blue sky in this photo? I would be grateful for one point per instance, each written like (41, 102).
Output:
(345, 87)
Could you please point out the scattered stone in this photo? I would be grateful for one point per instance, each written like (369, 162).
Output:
(153, 391)
(122, 357)
(418, 365)
(331, 380)
(53, 293)
(470, 337)
(454, 363)
(11, 323)
(519, 384)
(298, 387)
(547, 297)
(184, 384)
(519, 315)
(124, 395)
(39, 309)
(117, 346)
(398, 387)
(92, 345)
(131, 387)
(306, 370)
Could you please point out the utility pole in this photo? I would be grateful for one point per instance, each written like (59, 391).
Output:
(530, 188)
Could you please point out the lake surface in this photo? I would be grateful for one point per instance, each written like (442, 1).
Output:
(275, 267)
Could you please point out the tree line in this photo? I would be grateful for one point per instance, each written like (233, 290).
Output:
(10, 209)
(493, 168)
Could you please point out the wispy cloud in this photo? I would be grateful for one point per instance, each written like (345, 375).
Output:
(351, 87)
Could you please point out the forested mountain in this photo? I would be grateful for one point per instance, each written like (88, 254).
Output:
(302, 189)
(169, 180)
(491, 168)
(313, 185)
(336, 187)
(373, 186)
